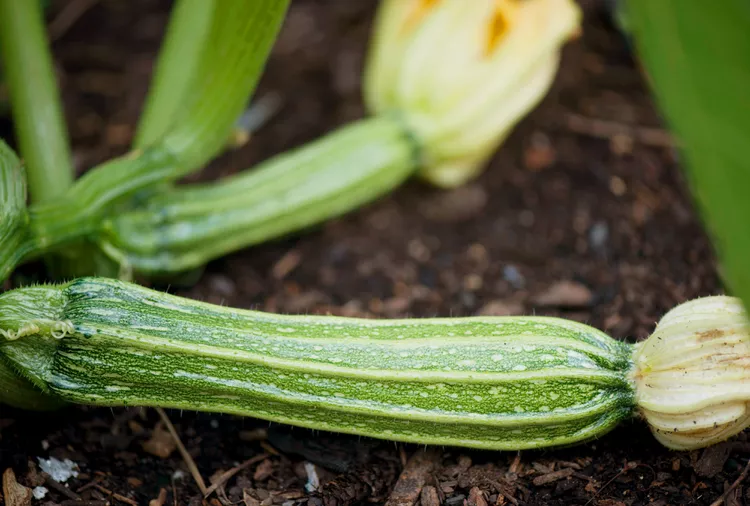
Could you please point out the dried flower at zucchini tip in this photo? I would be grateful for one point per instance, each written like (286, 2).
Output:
(692, 376)
(463, 73)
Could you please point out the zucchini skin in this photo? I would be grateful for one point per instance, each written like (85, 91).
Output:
(190, 225)
(502, 383)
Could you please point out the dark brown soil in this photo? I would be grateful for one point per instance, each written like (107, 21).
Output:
(569, 219)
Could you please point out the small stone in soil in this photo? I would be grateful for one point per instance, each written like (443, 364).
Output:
(455, 206)
(253, 435)
(14, 493)
(540, 153)
(286, 264)
(409, 485)
(512, 275)
(564, 294)
(598, 235)
(552, 477)
(712, 460)
(39, 492)
(455, 500)
(161, 443)
(476, 497)
(501, 308)
(249, 500)
(263, 471)
(59, 470)
(429, 496)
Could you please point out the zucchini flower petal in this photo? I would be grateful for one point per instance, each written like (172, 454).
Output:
(692, 376)
(463, 73)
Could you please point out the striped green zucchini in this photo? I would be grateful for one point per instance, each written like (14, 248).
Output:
(192, 224)
(496, 383)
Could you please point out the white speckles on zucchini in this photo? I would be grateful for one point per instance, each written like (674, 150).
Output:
(477, 382)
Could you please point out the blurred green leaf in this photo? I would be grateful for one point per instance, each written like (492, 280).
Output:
(697, 55)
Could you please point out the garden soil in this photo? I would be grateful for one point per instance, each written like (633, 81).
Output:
(583, 213)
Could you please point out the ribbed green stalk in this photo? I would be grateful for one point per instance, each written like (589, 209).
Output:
(495, 383)
(190, 225)
(80, 212)
(237, 47)
(35, 102)
(50, 226)
(14, 243)
(238, 44)
(187, 227)
(241, 37)
(179, 58)
(14, 390)
(12, 203)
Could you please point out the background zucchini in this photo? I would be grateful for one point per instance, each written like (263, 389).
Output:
(186, 227)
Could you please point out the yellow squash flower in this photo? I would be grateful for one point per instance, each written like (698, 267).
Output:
(464, 72)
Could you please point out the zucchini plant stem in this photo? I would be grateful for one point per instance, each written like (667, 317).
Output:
(68, 220)
(179, 57)
(34, 97)
(14, 389)
(188, 226)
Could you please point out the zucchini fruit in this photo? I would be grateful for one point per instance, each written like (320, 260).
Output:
(493, 383)
(190, 225)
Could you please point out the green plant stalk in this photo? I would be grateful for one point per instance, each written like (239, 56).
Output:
(14, 390)
(188, 226)
(69, 220)
(15, 218)
(12, 197)
(241, 37)
(175, 70)
(35, 102)
(495, 383)
(238, 43)
(237, 47)
(191, 225)
(698, 61)
(80, 212)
